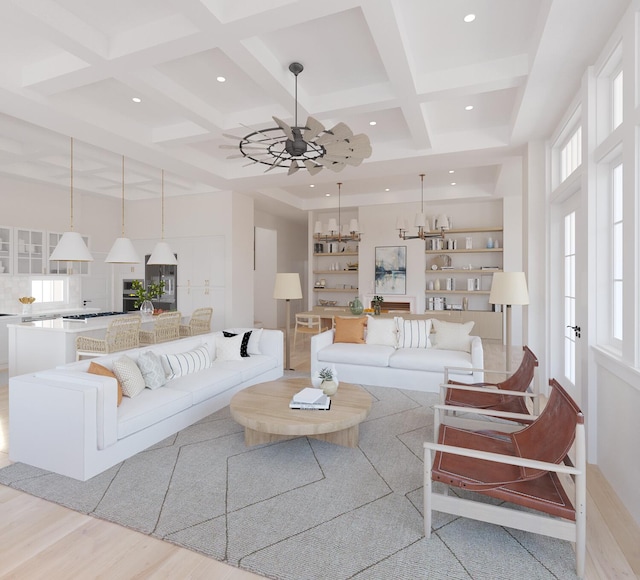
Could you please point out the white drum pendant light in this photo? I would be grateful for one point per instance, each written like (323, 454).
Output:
(122, 251)
(162, 253)
(71, 247)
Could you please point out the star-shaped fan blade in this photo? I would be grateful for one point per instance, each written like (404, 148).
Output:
(285, 128)
(312, 167)
(314, 128)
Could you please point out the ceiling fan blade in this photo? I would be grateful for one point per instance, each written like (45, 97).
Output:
(341, 131)
(285, 128)
(312, 167)
(314, 128)
(348, 159)
(230, 136)
(336, 167)
(293, 167)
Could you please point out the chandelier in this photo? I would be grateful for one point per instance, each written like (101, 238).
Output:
(309, 147)
(420, 222)
(335, 228)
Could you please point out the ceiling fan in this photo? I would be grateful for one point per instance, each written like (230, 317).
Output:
(311, 146)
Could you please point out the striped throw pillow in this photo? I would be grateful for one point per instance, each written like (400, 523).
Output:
(185, 363)
(414, 333)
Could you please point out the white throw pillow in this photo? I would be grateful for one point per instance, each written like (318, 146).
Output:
(254, 340)
(129, 375)
(452, 335)
(414, 333)
(152, 370)
(381, 331)
(228, 347)
(185, 363)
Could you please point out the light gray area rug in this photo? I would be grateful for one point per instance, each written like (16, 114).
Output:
(303, 508)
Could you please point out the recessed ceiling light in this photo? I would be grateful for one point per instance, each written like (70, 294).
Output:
(327, 195)
(136, 99)
(221, 79)
(451, 171)
(311, 185)
(453, 183)
(387, 189)
(469, 17)
(372, 123)
(468, 108)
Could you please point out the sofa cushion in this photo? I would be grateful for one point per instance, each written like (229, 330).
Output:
(184, 363)
(413, 333)
(96, 369)
(374, 355)
(129, 375)
(452, 335)
(254, 339)
(433, 360)
(382, 331)
(207, 383)
(149, 408)
(152, 370)
(350, 329)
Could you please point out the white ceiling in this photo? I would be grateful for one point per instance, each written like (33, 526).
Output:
(71, 68)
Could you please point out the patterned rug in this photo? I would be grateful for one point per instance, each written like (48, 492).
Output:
(303, 508)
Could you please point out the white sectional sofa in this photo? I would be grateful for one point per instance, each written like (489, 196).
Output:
(66, 420)
(381, 361)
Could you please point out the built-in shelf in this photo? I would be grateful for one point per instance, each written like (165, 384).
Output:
(473, 230)
(465, 251)
(335, 290)
(467, 292)
(335, 271)
(449, 271)
(336, 254)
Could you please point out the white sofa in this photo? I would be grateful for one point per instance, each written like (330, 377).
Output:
(67, 421)
(420, 369)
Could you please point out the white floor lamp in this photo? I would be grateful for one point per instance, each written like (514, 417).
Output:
(509, 288)
(287, 288)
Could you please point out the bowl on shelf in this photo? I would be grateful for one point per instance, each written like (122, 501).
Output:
(327, 302)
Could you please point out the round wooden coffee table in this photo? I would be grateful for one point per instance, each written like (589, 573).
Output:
(264, 412)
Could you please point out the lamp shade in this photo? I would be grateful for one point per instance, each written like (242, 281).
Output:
(420, 220)
(509, 288)
(162, 254)
(353, 225)
(71, 248)
(318, 228)
(287, 287)
(123, 252)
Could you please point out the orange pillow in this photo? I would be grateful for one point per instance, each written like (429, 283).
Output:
(96, 369)
(350, 329)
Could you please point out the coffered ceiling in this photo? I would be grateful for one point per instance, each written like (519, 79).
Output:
(72, 68)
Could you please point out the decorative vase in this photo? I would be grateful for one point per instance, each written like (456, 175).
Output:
(329, 387)
(356, 306)
(146, 308)
(376, 308)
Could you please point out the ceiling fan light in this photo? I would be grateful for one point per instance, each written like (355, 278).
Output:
(161, 255)
(123, 252)
(71, 248)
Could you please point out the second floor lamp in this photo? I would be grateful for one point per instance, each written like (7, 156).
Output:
(287, 288)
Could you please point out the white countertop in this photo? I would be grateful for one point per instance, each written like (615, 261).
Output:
(70, 326)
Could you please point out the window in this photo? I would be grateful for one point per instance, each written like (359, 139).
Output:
(616, 250)
(571, 155)
(616, 100)
(49, 290)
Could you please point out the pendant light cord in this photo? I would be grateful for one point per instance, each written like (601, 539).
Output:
(71, 181)
(422, 193)
(162, 208)
(339, 213)
(123, 196)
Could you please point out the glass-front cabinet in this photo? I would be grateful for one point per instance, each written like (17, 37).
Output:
(6, 250)
(57, 267)
(29, 251)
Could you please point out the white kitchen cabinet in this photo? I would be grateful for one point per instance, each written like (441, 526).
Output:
(29, 251)
(4, 337)
(6, 250)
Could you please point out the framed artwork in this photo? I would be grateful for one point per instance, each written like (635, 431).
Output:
(391, 270)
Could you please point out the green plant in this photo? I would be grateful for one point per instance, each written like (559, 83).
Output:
(151, 292)
(326, 374)
(378, 299)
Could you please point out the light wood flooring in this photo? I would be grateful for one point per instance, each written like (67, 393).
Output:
(39, 539)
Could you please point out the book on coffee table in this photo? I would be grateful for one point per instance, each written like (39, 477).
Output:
(322, 404)
(308, 396)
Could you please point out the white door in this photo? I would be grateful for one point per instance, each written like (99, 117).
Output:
(568, 307)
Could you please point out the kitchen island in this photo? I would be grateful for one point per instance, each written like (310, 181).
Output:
(45, 344)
